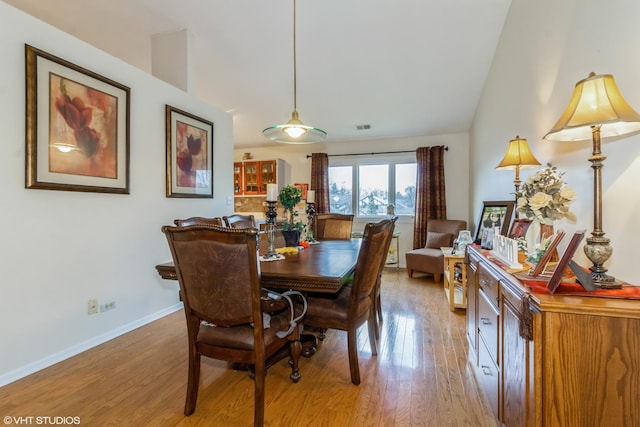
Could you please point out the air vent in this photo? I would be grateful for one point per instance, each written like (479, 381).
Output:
(363, 127)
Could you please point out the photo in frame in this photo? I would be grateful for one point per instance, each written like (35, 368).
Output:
(546, 257)
(494, 214)
(189, 155)
(565, 260)
(77, 127)
(519, 227)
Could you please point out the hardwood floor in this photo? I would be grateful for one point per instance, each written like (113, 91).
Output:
(419, 378)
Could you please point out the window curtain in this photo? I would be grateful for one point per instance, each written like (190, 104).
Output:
(430, 192)
(320, 181)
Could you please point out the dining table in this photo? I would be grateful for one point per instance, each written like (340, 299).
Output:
(324, 267)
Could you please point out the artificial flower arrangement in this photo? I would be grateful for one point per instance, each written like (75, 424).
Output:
(290, 196)
(545, 196)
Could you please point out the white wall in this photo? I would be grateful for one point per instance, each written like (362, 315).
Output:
(545, 48)
(59, 248)
(456, 169)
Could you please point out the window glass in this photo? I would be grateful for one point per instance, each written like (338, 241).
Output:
(373, 189)
(366, 186)
(405, 189)
(341, 189)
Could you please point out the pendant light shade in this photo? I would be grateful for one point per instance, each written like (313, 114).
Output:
(294, 131)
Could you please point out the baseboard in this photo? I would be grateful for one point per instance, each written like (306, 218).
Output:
(38, 365)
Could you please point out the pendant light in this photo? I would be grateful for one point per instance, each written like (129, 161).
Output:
(294, 131)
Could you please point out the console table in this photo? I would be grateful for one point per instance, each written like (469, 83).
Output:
(551, 360)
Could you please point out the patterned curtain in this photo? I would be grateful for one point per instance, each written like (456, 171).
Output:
(320, 181)
(430, 192)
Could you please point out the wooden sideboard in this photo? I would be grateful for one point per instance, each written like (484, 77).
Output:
(545, 360)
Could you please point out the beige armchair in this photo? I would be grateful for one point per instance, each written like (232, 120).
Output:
(440, 233)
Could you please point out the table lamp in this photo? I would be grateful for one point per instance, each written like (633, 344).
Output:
(596, 110)
(518, 156)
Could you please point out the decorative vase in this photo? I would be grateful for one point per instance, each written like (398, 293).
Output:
(291, 237)
(537, 231)
(464, 239)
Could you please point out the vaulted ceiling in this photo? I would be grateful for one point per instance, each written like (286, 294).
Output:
(404, 67)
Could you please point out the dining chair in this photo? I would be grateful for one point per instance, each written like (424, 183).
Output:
(240, 221)
(353, 305)
(219, 276)
(333, 226)
(194, 220)
(377, 301)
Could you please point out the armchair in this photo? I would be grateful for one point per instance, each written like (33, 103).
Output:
(440, 233)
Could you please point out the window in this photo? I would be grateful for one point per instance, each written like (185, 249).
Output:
(378, 183)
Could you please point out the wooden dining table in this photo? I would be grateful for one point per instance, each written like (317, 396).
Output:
(323, 267)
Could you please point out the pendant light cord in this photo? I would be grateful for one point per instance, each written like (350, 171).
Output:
(295, 70)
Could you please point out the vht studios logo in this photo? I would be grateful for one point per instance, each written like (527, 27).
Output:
(30, 420)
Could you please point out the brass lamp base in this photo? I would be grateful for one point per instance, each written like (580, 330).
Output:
(598, 250)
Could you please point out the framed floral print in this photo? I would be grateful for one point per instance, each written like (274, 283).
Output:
(189, 155)
(77, 127)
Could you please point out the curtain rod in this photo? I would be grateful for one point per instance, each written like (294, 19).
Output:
(371, 154)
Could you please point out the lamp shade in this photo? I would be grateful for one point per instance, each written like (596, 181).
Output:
(518, 155)
(294, 132)
(596, 101)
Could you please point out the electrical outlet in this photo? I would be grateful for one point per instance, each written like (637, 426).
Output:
(108, 306)
(92, 306)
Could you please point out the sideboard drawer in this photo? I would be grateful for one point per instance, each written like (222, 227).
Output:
(488, 376)
(488, 324)
(489, 284)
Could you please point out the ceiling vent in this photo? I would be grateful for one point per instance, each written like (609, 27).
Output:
(363, 127)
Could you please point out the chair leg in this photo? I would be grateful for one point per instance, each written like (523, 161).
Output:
(258, 409)
(295, 348)
(193, 382)
(373, 339)
(352, 346)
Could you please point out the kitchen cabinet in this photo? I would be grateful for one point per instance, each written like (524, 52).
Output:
(250, 177)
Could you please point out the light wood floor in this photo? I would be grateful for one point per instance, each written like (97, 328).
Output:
(419, 378)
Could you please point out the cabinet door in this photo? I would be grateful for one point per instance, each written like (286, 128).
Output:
(251, 170)
(238, 182)
(517, 400)
(472, 306)
(267, 175)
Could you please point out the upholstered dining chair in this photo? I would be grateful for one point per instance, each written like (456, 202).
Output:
(353, 305)
(377, 301)
(240, 221)
(218, 272)
(194, 220)
(430, 259)
(333, 226)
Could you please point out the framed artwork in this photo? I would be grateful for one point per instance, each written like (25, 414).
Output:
(519, 227)
(77, 127)
(303, 188)
(494, 214)
(189, 155)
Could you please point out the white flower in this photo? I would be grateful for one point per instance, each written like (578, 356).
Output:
(567, 192)
(539, 200)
